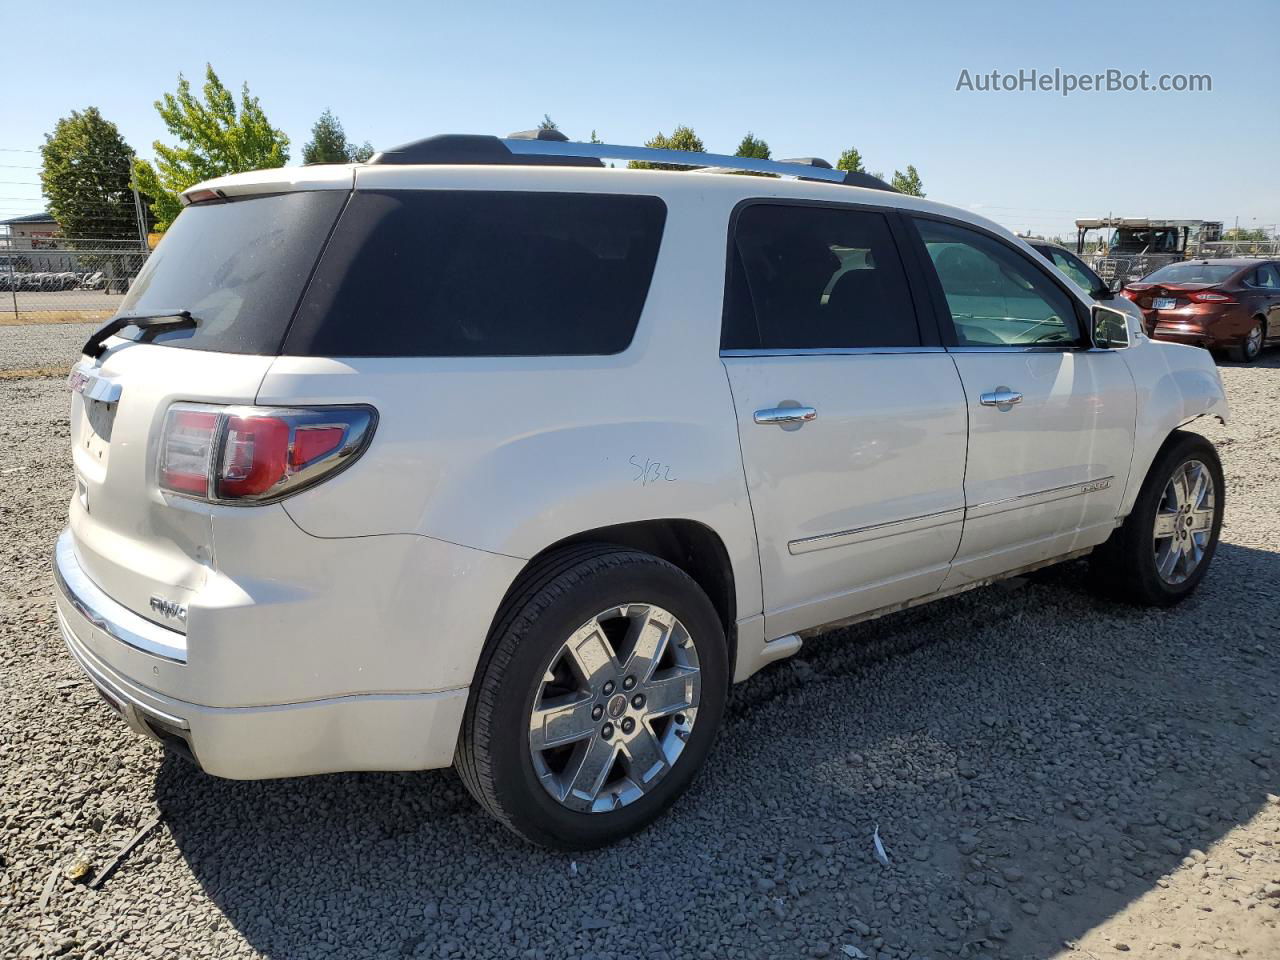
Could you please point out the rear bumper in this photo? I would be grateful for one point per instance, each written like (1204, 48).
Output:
(393, 731)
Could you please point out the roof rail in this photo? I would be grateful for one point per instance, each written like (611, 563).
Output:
(529, 148)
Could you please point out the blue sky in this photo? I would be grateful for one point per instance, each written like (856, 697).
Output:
(811, 79)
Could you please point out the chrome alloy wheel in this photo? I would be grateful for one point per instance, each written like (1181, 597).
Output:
(615, 708)
(1184, 522)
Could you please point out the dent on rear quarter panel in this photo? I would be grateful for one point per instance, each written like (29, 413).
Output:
(1176, 384)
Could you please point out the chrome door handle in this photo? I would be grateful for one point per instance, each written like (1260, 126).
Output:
(1001, 397)
(786, 415)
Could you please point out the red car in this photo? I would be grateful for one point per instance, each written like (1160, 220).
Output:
(1231, 305)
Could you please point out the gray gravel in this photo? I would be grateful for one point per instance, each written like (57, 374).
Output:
(28, 346)
(1051, 774)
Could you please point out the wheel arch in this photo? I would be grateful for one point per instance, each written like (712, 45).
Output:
(689, 545)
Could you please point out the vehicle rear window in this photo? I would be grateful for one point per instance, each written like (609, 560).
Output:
(1191, 273)
(238, 266)
(436, 273)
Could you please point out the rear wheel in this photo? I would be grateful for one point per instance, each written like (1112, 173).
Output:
(1250, 347)
(1163, 549)
(597, 699)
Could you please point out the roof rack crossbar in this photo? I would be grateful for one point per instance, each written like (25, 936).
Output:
(684, 158)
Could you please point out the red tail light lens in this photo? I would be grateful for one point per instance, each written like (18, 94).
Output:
(1209, 296)
(257, 455)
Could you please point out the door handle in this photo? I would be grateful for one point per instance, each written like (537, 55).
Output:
(1001, 397)
(786, 415)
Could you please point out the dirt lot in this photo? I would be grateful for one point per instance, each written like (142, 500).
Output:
(1053, 775)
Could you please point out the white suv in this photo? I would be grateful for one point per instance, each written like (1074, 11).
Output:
(485, 454)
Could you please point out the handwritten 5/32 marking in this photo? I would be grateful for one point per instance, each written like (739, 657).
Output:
(650, 471)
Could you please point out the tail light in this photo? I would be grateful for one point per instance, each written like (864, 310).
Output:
(1129, 294)
(1209, 296)
(249, 455)
(1134, 291)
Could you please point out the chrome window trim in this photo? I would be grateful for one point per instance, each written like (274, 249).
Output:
(111, 617)
(1018, 348)
(827, 351)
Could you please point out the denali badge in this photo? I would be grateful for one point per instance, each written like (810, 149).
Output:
(169, 608)
(1093, 486)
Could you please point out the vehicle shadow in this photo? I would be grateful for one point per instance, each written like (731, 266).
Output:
(1034, 758)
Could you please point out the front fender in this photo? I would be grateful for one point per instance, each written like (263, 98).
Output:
(1175, 385)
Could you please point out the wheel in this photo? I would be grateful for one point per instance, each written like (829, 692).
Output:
(1250, 347)
(1161, 552)
(597, 697)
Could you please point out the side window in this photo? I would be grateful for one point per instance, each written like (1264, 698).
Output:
(457, 273)
(1267, 276)
(1073, 268)
(996, 296)
(810, 277)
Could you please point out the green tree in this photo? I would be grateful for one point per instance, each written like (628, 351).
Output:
(328, 143)
(594, 138)
(851, 161)
(908, 183)
(214, 138)
(547, 123)
(85, 177)
(682, 138)
(752, 146)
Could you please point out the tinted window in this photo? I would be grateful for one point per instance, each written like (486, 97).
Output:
(809, 277)
(1267, 276)
(1074, 268)
(1191, 273)
(996, 296)
(435, 273)
(239, 267)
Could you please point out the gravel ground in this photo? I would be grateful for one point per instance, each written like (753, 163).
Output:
(27, 346)
(1052, 775)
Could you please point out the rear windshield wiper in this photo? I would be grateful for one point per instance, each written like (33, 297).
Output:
(157, 320)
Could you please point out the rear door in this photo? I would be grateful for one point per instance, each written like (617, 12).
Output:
(1050, 422)
(1267, 281)
(851, 420)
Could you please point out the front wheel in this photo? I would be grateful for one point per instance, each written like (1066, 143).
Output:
(1163, 549)
(597, 698)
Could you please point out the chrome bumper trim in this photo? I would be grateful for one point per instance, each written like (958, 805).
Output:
(112, 618)
(126, 702)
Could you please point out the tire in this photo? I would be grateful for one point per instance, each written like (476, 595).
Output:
(1250, 347)
(526, 664)
(1128, 565)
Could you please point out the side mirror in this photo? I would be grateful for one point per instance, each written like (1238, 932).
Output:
(1103, 292)
(1110, 328)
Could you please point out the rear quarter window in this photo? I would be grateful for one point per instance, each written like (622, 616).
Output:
(239, 267)
(436, 273)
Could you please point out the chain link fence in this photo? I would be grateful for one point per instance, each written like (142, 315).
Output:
(65, 280)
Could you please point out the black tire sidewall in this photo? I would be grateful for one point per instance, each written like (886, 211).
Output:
(1141, 554)
(534, 812)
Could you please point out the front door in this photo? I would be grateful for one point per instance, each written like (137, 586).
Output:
(1050, 421)
(852, 424)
